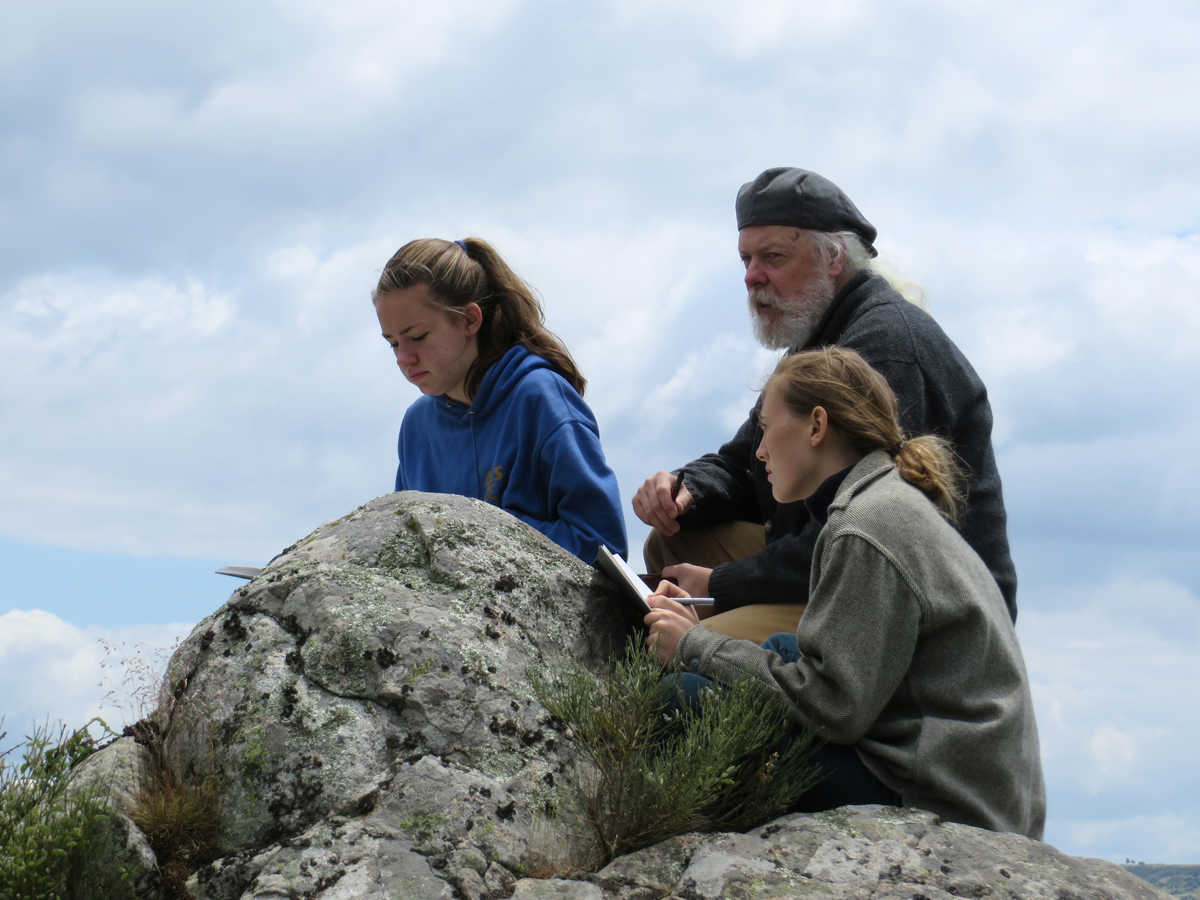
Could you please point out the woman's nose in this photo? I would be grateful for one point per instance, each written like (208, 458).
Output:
(405, 357)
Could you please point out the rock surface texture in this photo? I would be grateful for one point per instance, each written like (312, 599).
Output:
(864, 853)
(366, 700)
(371, 693)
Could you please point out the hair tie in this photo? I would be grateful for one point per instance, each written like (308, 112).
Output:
(901, 446)
(464, 246)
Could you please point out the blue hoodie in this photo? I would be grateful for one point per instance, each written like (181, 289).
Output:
(527, 443)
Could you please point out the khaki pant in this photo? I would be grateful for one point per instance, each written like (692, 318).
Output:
(710, 547)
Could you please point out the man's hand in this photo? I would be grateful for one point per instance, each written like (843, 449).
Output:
(654, 505)
(693, 579)
(668, 621)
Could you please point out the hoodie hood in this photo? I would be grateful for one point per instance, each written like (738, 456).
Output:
(498, 383)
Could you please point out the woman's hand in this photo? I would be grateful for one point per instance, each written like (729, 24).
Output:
(668, 621)
(694, 580)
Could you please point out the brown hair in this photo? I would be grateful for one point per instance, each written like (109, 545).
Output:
(473, 272)
(862, 410)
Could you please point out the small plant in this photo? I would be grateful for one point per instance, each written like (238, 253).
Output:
(654, 774)
(54, 841)
(178, 807)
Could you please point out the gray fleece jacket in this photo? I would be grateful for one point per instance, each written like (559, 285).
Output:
(909, 655)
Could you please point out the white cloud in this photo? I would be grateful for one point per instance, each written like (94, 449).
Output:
(1114, 752)
(1113, 668)
(753, 26)
(50, 670)
(153, 417)
(1023, 339)
(77, 314)
(1145, 288)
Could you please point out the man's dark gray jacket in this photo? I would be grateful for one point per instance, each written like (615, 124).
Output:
(938, 393)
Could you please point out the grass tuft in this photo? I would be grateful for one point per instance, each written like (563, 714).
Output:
(181, 821)
(179, 805)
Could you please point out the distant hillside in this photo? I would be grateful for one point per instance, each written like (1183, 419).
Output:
(1178, 881)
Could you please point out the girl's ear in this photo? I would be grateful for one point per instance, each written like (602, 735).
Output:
(472, 317)
(819, 425)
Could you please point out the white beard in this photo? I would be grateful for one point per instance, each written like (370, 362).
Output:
(799, 315)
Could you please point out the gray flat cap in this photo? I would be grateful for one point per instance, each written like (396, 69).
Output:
(802, 199)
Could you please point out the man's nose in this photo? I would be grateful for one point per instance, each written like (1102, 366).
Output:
(754, 275)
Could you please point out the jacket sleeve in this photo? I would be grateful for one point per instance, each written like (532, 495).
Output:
(857, 637)
(779, 574)
(582, 493)
(722, 483)
(723, 487)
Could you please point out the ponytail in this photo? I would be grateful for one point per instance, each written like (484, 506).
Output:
(459, 273)
(862, 409)
(929, 463)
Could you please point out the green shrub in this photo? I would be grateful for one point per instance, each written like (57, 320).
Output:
(54, 843)
(656, 775)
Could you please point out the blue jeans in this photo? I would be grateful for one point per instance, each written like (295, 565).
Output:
(845, 780)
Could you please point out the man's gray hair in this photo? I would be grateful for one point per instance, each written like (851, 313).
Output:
(849, 245)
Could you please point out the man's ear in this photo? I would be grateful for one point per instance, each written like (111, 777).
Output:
(837, 265)
(473, 317)
(819, 426)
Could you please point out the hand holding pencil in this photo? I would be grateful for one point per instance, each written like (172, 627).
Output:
(661, 499)
(669, 619)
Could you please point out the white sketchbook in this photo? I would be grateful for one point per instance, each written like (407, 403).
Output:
(627, 579)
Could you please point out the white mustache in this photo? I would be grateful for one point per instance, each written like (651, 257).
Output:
(761, 296)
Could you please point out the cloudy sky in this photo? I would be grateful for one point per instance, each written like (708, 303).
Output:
(195, 201)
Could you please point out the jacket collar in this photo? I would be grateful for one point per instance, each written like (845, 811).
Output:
(845, 304)
(870, 468)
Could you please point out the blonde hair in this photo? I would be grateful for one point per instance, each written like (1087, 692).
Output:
(458, 274)
(862, 409)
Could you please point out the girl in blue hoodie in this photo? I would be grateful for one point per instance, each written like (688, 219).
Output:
(503, 417)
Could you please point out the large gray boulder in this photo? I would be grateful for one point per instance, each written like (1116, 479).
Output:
(383, 662)
(366, 702)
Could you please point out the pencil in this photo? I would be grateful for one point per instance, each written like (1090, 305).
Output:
(678, 484)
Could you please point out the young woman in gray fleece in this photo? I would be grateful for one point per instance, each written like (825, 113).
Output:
(905, 663)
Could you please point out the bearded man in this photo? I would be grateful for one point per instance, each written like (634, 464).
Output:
(810, 280)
